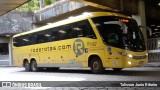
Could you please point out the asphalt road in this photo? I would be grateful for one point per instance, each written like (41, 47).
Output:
(77, 74)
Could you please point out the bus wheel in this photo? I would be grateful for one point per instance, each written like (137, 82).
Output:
(34, 67)
(27, 66)
(96, 66)
(117, 69)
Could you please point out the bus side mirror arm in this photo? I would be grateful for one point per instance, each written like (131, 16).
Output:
(147, 28)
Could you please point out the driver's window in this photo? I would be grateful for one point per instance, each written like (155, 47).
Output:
(111, 33)
(114, 32)
(113, 39)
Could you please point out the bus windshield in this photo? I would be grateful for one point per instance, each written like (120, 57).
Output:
(120, 32)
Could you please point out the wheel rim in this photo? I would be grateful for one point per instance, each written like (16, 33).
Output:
(26, 66)
(95, 65)
(34, 66)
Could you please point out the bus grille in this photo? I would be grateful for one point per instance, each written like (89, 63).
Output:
(140, 57)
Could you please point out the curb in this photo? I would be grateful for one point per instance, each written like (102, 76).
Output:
(152, 64)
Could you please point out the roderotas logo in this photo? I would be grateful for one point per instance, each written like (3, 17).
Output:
(78, 47)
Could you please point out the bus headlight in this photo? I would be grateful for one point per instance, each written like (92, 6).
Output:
(129, 63)
(126, 54)
(130, 55)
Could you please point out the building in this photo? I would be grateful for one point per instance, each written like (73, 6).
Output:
(8, 27)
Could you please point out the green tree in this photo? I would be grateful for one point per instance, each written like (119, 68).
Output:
(34, 5)
(30, 6)
(48, 2)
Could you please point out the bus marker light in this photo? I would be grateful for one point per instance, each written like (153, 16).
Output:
(129, 63)
(130, 55)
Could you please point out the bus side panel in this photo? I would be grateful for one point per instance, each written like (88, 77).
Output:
(98, 48)
(53, 54)
(19, 57)
(114, 57)
(100, 52)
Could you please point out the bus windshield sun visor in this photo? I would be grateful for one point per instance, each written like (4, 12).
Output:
(123, 25)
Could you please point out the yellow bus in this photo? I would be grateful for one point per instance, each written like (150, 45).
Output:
(97, 40)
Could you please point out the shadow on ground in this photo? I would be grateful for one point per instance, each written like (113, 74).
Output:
(125, 72)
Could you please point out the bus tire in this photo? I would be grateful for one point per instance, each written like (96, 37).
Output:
(117, 69)
(27, 66)
(96, 66)
(34, 67)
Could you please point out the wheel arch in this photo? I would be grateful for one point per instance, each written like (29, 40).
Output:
(25, 60)
(92, 56)
(32, 59)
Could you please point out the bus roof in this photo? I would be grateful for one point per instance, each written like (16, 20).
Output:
(72, 19)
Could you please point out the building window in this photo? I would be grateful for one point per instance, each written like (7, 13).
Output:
(4, 49)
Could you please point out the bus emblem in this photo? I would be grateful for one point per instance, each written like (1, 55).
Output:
(78, 47)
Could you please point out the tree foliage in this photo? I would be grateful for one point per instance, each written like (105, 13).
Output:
(48, 2)
(30, 6)
(34, 5)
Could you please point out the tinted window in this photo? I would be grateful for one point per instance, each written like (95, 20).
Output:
(73, 30)
(43, 36)
(64, 32)
(4, 50)
(111, 33)
(82, 29)
(54, 34)
(126, 36)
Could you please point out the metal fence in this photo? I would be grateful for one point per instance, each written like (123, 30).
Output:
(153, 49)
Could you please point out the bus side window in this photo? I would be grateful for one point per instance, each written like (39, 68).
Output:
(16, 41)
(54, 34)
(47, 35)
(83, 29)
(32, 39)
(20, 41)
(77, 32)
(25, 40)
(69, 32)
(63, 32)
(79, 29)
(35, 36)
(40, 38)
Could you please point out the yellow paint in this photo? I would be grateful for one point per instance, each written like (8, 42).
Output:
(45, 53)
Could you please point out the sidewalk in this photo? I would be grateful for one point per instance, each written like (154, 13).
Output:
(152, 64)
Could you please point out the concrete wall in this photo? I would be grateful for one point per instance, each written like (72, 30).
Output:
(10, 24)
(15, 22)
(45, 15)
